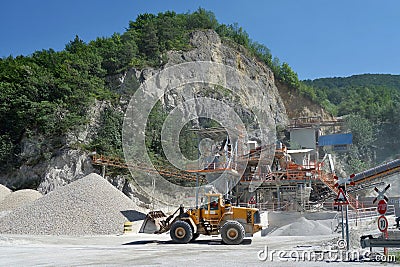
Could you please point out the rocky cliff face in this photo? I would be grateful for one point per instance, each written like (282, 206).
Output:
(207, 46)
(61, 166)
(45, 167)
(298, 106)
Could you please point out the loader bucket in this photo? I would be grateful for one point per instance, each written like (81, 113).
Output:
(153, 222)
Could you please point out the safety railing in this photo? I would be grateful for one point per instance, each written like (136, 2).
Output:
(120, 163)
(212, 167)
(279, 175)
(269, 206)
(364, 214)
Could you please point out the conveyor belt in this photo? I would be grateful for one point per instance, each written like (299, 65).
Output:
(380, 171)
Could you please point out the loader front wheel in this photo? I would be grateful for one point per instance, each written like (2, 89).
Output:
(181, 232)
(232, 233)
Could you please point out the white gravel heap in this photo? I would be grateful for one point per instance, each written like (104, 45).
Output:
(89, 206)
(19, 198)
(303, 227)
(4, 191)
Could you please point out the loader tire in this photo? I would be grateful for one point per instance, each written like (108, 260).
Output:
(232, 233)
(181, 232)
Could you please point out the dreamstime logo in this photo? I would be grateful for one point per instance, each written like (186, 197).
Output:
(184, 85)
(327, 255)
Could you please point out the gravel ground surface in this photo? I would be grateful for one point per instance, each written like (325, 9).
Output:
(89, 206)
(158, 250)
(4, 191)
(19, 198)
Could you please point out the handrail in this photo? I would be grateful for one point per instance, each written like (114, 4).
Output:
(213, 166)
(119, 163)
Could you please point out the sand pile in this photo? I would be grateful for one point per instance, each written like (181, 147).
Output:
(88, 206)
(18, 199)
(4, 191)
(303, 227)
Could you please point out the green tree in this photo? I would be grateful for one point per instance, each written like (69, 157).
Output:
(153, 130)
(116, 52)
(149, 42)
(109, 136)
(362, 152)
(201, 19)
(262, 52)
(287, 75)
(172, 32)
(6, 151)
(141, 21)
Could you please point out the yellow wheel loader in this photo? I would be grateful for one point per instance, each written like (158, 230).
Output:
(215, 217)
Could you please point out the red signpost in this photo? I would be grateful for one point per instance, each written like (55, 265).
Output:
(382, 206)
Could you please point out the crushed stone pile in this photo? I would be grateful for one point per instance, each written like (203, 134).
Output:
(4, 191)
(19, 198)
(303, 227)
(88, 206)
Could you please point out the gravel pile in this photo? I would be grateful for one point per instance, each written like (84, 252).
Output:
(89, 206)
(18, 199)
(4, 191)
(304, 227)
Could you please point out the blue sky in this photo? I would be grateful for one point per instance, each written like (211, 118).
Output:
(318, 38)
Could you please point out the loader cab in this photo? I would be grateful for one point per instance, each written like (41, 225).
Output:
(212, 207)
(214, 203)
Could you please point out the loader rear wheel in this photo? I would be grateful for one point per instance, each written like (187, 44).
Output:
(232, 233)
(181, 232)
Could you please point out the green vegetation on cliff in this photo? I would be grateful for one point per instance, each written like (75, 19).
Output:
(373, 96)
(48, 93)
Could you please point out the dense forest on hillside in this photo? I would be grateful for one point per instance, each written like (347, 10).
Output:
(371, 104)
(373, 96)
(47, 93)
